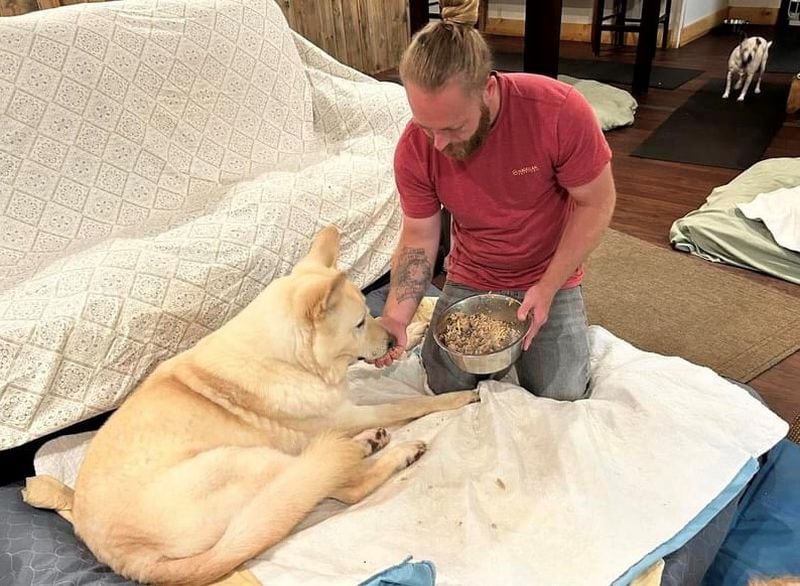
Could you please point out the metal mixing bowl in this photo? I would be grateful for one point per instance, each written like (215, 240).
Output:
(495, 306)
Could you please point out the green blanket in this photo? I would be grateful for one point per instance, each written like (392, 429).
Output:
(719, 232)
(614, 107)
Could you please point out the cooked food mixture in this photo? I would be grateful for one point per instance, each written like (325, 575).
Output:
(477, 333)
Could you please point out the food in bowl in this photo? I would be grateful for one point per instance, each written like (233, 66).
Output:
(478, 333)
(493, 306)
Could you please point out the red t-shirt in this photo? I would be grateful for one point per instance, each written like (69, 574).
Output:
(509, 200)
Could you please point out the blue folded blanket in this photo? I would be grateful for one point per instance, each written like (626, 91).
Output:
(407, 573)
(764, 540)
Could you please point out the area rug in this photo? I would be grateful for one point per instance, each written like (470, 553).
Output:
(708, 130)
(670, 303)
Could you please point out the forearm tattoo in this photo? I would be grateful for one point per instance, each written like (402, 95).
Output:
(411, 274)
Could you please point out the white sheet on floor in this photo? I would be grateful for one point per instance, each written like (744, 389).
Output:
(779, 210)
(523, 490)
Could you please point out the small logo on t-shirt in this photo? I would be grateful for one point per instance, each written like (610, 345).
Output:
(526, 170)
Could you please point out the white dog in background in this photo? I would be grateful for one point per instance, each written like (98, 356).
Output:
(749, 56)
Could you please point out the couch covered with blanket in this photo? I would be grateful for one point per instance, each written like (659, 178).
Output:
(160, 163)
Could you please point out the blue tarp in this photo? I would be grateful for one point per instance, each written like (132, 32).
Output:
(764, 540)
(407, 573)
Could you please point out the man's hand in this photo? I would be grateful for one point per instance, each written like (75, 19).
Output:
(536, 304)
(398, 330)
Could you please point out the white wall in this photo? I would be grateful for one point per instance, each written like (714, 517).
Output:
(699, 9)
(578, 11)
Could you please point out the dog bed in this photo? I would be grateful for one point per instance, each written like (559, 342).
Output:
(520, 490)
(614, 107)
(719, 232)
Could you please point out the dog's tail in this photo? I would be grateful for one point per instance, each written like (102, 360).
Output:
(268, 518)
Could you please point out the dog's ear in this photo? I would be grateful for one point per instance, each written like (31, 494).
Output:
(321, 297)
(324, 248)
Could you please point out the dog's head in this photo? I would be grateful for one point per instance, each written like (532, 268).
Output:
(752, 48)
(315, 317)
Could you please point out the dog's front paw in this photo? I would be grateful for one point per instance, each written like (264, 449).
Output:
(412, 451)
(740, 99)
(372, 440)
(758, 90)
(459, 399)
(725, 96)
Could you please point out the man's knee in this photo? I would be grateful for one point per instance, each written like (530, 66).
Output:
(567, 384)
(567, 392)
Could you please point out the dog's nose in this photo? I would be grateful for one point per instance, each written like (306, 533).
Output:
(390, 342)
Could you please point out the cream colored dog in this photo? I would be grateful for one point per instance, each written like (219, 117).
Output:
(227, 446)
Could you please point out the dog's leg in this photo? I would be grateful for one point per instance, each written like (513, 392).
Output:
(746, 86)
(373, 473)
(728, 86)
(372, 440)
(739, 81)
(760, 73)
(208, 514)
(352, 419)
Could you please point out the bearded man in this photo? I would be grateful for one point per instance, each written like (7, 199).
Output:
(521, 164)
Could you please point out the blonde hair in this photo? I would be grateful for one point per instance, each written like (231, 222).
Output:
(448, 48)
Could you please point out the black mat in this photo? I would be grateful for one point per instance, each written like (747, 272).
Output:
(784, 55)
(707, 130)
(666, 78)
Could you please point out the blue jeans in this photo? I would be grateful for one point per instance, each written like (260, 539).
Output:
(556, 365)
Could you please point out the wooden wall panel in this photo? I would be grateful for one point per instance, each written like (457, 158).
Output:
(368, 35)
(15, 7)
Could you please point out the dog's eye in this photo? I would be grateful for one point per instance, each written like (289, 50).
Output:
(361, 323)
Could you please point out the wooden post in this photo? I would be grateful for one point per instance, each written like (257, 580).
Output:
(417, 15)
(542, 35)
(646, 46)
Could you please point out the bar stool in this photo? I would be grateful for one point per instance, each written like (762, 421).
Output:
(620, 23)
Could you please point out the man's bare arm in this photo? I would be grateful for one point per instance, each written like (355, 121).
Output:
(411, 273)
(412, 267)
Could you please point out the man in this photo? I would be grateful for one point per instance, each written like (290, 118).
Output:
(524, 169)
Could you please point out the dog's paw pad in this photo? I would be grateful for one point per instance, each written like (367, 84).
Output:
(416, 450)
(373, 440)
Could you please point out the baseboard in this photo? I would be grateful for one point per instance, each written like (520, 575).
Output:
(754, 14)
(570, 31)
(701, 27)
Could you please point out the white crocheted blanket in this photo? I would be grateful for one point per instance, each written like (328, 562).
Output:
(161, 161)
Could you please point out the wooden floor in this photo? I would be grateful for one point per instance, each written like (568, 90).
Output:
(652, 194)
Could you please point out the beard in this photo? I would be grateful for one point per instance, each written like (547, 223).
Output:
(463, 150)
